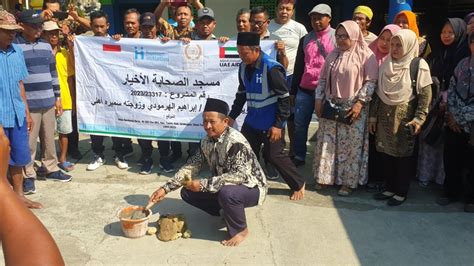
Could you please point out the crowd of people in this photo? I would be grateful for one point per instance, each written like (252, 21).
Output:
(391, 107)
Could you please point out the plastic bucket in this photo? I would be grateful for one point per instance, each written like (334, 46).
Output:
(133, 228)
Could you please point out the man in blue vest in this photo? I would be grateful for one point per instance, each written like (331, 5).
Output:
(262, 84)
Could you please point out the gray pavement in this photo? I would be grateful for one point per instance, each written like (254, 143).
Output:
(322, 229)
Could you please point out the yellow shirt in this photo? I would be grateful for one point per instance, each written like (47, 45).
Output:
(65, 70)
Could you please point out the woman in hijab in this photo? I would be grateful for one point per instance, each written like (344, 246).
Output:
(381, 46)
(347, 82)
(469, 19)
(397, 114)
(381, 49)
(452, 49)
(407, 20)
(459, 134)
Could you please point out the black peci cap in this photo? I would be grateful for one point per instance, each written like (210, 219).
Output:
(248, 39)
(216, 105)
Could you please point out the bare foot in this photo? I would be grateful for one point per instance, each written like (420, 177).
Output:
(31, 204)
(298, 195)
(237, 239)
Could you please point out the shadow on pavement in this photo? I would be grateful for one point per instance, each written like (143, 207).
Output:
(113, 229)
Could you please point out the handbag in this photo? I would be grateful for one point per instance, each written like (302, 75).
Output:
(432, 129)
(335, 113)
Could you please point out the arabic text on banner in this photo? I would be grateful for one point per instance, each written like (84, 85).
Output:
(152, 90)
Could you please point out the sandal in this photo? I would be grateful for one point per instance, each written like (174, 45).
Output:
(66, 166)
(344, 191)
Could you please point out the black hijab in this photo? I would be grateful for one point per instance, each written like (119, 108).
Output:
(443, 62)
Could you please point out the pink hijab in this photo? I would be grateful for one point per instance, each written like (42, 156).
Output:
(373, 46)
(346, 71)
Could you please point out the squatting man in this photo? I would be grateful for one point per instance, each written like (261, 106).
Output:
(237, 180)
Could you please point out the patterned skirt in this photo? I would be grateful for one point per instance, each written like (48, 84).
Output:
(341, 152)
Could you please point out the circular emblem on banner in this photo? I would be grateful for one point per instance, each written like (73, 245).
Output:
(193, 52)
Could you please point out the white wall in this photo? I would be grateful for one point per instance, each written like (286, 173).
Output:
(225, 11)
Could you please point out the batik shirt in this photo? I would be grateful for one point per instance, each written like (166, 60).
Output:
(231, 160)
(183, 33)
(461, 95)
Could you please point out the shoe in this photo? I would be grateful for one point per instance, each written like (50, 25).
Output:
(66, 166)
(469, 207)
(344, 191)
(127, 153)
(59, 176)
(396, 201)
(272, 173)
(95, 163)
(29, 186)
(298, 163)
(141, 161)
(444, 200)
(120, 162)
(384, 195)
(167, 166)
(146, 167)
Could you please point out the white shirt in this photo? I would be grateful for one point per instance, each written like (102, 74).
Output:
(370, 38)
(290, 33)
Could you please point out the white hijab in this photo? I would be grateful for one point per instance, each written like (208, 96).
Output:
(394, 86)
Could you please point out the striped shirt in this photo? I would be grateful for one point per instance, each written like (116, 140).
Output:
(12, 108)
(42, 85)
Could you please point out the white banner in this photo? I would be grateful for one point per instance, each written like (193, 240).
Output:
(151, 90)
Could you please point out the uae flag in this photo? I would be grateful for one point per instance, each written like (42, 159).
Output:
(228, 52)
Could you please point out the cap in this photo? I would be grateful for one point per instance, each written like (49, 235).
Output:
(216, 105)
(322, 9)
(8, 22)
(248, 38)
(148, 19)
(50, 25)
(29, 16)
(364, 10)
(205, 12)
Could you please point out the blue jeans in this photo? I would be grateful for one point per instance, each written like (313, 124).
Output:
(304, 111)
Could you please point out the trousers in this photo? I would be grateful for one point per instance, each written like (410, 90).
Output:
(274, 154)
(232, 199)
(44, 121)
(458, 162)
(399, 171)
